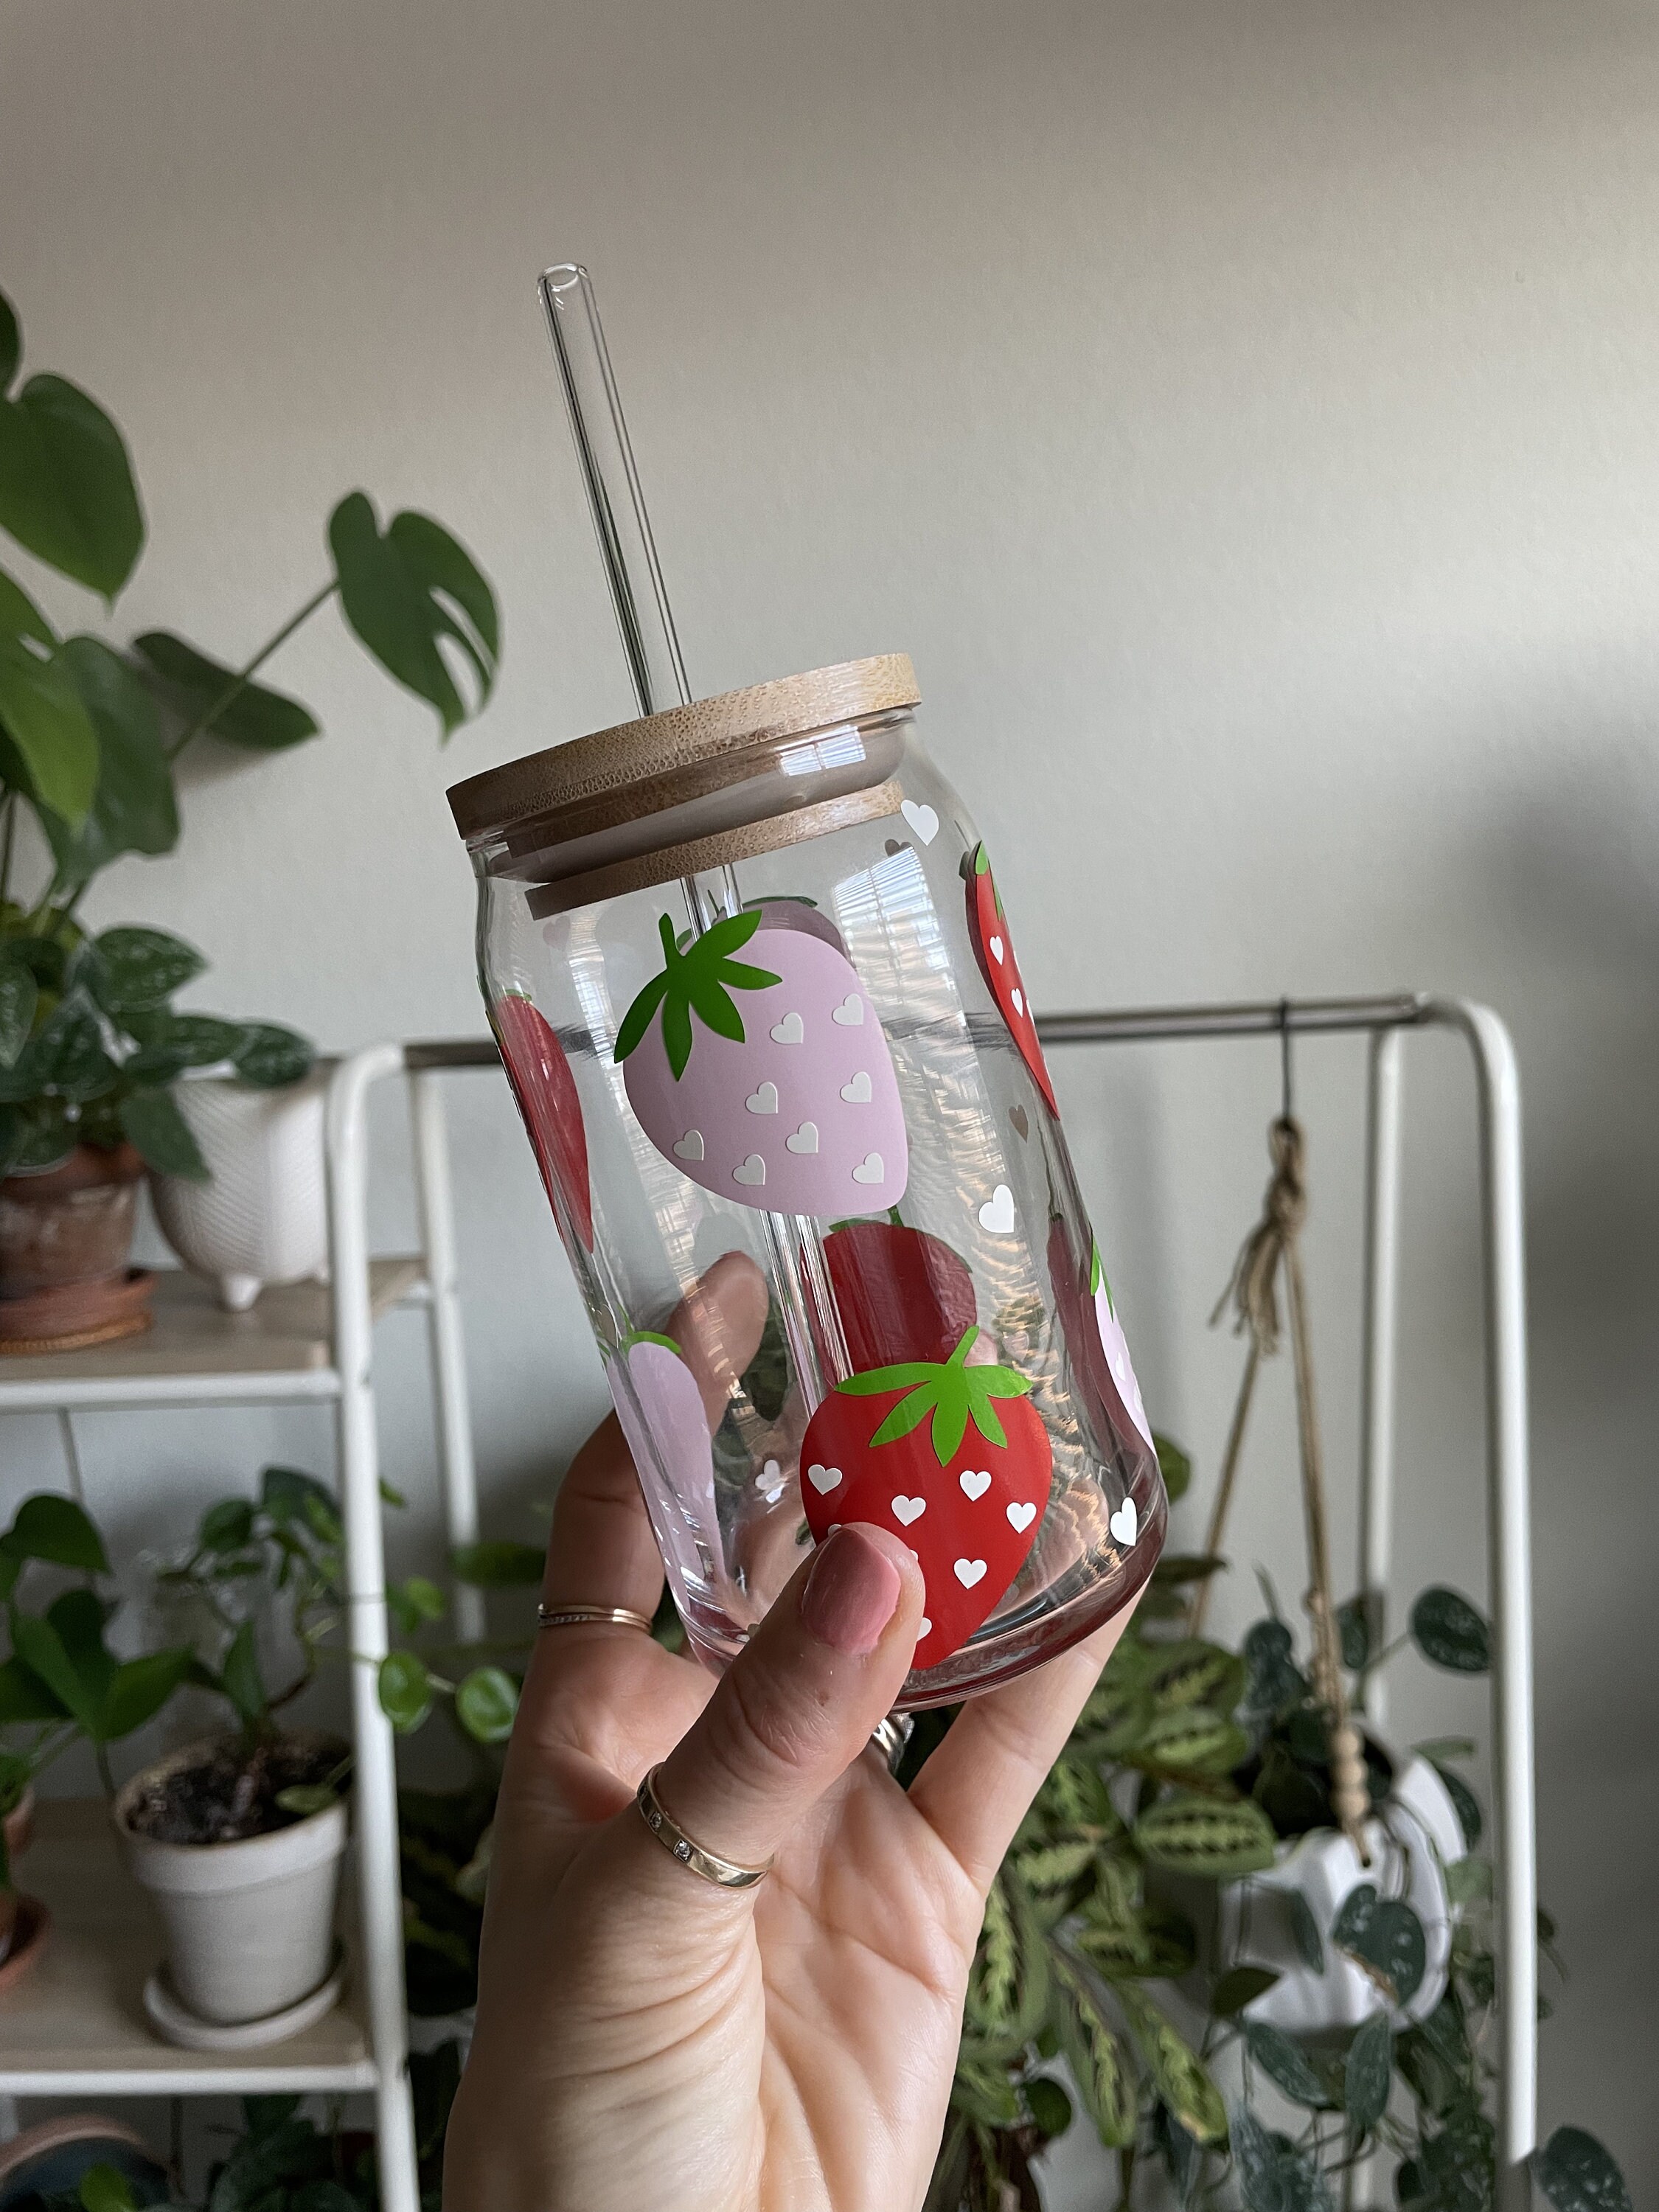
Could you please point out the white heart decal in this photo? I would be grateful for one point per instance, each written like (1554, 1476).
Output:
(975, 1486)
(870, 1170)
(996, 950)
(763, 1101)
(921, 819)
(1019, 1004)
(689, 1146)
(969, 1571)
(924, 1628)
(859, 1091)
(850, 1012)
(824, 1479)
(769, 1475)
(805, 1138)
(997, 1214)
(1125, 1523)
(752, 1171)
(790, 1030)
(1020, 1517)
(1021, 1123)
(907, 1509)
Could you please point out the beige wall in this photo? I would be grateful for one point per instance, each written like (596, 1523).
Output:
(1247, 416)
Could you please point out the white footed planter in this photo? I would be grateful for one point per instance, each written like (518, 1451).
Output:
(1416, 1836)
(250, 1925)
(264, 1217)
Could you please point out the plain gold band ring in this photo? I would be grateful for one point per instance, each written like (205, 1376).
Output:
(726, 1873)
(580, 1616)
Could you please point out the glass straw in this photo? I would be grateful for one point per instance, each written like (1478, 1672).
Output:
(811, 1322)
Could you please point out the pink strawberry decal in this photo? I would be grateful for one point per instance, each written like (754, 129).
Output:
(769, 1085)
(994, 950)
(1095, 1339)
(954, 1459)
(545, 1091)
(664, 1419)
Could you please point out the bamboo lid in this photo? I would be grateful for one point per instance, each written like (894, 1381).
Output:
(638, 768)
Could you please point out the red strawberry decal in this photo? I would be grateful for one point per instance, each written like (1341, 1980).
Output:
(994, 950)
(545, 1091)
(771, 1085)
(900, 1293)
(955, 1460)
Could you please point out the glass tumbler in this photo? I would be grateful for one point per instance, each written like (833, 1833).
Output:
(759, 1005)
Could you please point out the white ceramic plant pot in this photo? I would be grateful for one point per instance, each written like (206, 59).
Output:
(264, 1217)
(1416, 1836)
(250, 1926)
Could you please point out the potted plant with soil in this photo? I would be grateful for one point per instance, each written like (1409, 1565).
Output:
(239, 1837)
(90, 736)
(60, 1684)
(92, 1052)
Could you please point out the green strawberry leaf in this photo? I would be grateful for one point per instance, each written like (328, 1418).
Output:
(696, 976)
(952, 1392)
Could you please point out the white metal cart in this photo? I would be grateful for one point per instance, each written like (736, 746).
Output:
(76, 2027)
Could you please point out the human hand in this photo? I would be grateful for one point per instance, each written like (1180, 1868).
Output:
(647, 2040)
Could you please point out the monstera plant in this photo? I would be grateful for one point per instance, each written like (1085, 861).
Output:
(91, 732)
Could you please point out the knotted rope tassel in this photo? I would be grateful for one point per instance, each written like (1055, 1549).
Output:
(1272, 1246)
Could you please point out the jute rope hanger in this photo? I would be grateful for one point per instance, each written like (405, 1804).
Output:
(1272, 1249)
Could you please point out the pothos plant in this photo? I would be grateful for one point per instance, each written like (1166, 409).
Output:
(1189, 1766)
(91, 732)
(60, 1684)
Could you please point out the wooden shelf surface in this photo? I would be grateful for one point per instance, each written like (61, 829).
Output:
(285, 1332)
(80, 2008)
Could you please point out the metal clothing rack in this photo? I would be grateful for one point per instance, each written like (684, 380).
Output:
(318, 1346)
(1387, 1022)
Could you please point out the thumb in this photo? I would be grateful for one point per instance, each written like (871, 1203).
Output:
(798, 1704)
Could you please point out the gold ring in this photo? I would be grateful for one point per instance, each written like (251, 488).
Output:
(726, 1873)
(579, 1616)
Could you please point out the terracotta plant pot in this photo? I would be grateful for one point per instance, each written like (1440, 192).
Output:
(250, 1925)
(68, 1224)
(52, 2159)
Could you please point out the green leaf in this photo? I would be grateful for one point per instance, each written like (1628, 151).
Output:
(982, 2089)
(1305, 1932)
(138, 1691)
(1451, 1632)
(18, 998)
(24, 1697)
(485, 1703)
(103, 2188)
(637, 1020)
(1205, 1836)
(1366, 2075)
(1274, 1680)
(66, 487)
(226, 1527)
(1173, 1464)
(56, 1529)
(151, 1121)
(74, 1676)
(405, 591)
(68, 1056)
(498, 1565)
(1468, 1879)
(55, 741)
(1178, 1570)
(1256, 2159)
(1239, 1986)
(270, 1056)
(20, 618)
(191, 685)
(1578, 2174)
(136, 969)
(1008, 1983)
(1195, 1673)
(1385, 1938)
(1354, 1629)
(289, 1497)
(1100, 2067)
(11, 343)
(308, 1798)
(1286, 2064)
(415, 1602)
(134, 808)
(240, 1676)
(1178, 2074)
(405, 1690)
(1191, 1738)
